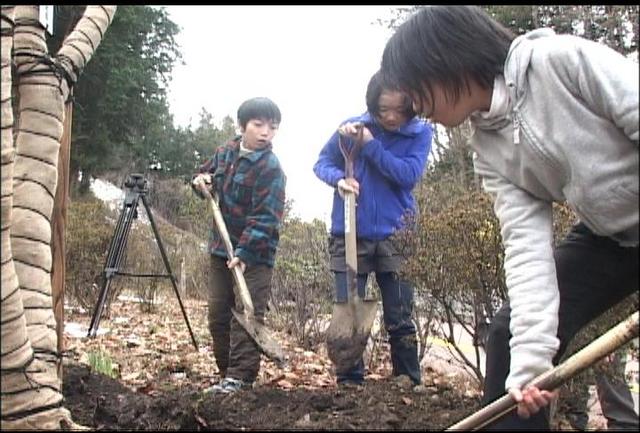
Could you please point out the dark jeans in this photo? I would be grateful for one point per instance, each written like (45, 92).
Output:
(237, 355)
(594, 273)
(397, 305)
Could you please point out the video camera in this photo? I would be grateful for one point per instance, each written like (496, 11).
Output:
(137, 183)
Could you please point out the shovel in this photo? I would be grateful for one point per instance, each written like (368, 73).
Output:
(604, 345)
(351, 322)
(256, 330)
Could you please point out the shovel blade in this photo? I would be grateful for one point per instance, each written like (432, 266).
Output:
(261, 335)
(349, 332)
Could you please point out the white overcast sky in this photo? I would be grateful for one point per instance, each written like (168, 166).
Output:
(313, 61)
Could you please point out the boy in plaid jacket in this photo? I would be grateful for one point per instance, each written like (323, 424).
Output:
(250, 184)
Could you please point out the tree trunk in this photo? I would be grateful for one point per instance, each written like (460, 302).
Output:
(58, 229)
(31, 390)
(17, 352)
(16, 347)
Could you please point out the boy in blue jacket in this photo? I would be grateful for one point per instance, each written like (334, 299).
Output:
(394, 150)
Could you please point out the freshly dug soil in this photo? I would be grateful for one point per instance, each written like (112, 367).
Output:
(100, 402)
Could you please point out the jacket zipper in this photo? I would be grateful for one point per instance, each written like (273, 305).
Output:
(516, 127)
(516, 121)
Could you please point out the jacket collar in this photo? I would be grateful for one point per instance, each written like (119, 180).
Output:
(518, 58)
(253, 156)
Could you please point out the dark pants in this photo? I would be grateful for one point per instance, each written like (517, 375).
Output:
(397, 306)
(237, 355)
(615, 397)
(613, 393)
(594, 273)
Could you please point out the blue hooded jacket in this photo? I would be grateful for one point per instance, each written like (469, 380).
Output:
(387, 168)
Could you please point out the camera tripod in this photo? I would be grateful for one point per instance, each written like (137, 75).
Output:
(136, 190)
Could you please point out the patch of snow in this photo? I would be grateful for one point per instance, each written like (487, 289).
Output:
(78, 330)
(105, 190)
(113, 197)
(138, 299)
(110, 194)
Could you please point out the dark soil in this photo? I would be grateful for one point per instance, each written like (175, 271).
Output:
(100, 402)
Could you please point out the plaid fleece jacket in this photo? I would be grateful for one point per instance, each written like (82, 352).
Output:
(251, 192)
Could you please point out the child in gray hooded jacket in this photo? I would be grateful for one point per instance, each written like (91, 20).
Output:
(556, 120)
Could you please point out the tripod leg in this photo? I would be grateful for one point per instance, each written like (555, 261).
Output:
(114, 258)
(97, 312)
(168, 266)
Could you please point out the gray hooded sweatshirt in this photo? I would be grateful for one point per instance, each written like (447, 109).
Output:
(570, 133)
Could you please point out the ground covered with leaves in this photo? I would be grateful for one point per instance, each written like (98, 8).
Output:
(144, 373)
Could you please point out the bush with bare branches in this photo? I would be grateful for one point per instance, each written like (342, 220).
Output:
(302, 283)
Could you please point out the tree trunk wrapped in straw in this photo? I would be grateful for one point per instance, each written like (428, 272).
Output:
(31, 390)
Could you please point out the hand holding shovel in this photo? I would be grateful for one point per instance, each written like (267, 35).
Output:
(604, 345)
(256, 330)
(351, 323)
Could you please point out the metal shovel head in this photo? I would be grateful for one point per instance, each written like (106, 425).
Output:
(349, 331)
(261, 335)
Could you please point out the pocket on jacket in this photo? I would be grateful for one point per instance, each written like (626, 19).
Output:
(610, 209)
(242, 189)
(218, 173)
(628, 191)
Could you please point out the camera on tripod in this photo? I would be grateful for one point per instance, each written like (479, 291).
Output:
(137, 183)
(137, 188)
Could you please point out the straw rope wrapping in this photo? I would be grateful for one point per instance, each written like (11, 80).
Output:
(31, 391)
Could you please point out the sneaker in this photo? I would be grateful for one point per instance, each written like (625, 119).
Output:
(350, 384)
(227, 385)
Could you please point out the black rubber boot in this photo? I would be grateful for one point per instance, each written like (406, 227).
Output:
(404, 357)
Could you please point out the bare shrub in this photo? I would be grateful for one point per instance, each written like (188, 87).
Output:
(302, 283)
(90, 230)
(185, 253)
(454, 255)
(174, 201)
(88, 235)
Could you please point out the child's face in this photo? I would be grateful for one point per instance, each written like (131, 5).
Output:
(438, 108)
(258, 133)
(391, 111)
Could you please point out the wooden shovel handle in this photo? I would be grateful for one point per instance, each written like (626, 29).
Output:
(241, 284)
(351, 248)
(350, 237)
(604, 345)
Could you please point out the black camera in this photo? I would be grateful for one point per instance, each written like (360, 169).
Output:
(136, 182)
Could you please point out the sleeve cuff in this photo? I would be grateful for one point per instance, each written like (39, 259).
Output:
(245, 256)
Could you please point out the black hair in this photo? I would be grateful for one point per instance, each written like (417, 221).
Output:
(447, 46)
(375, 88)
(258, 108)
